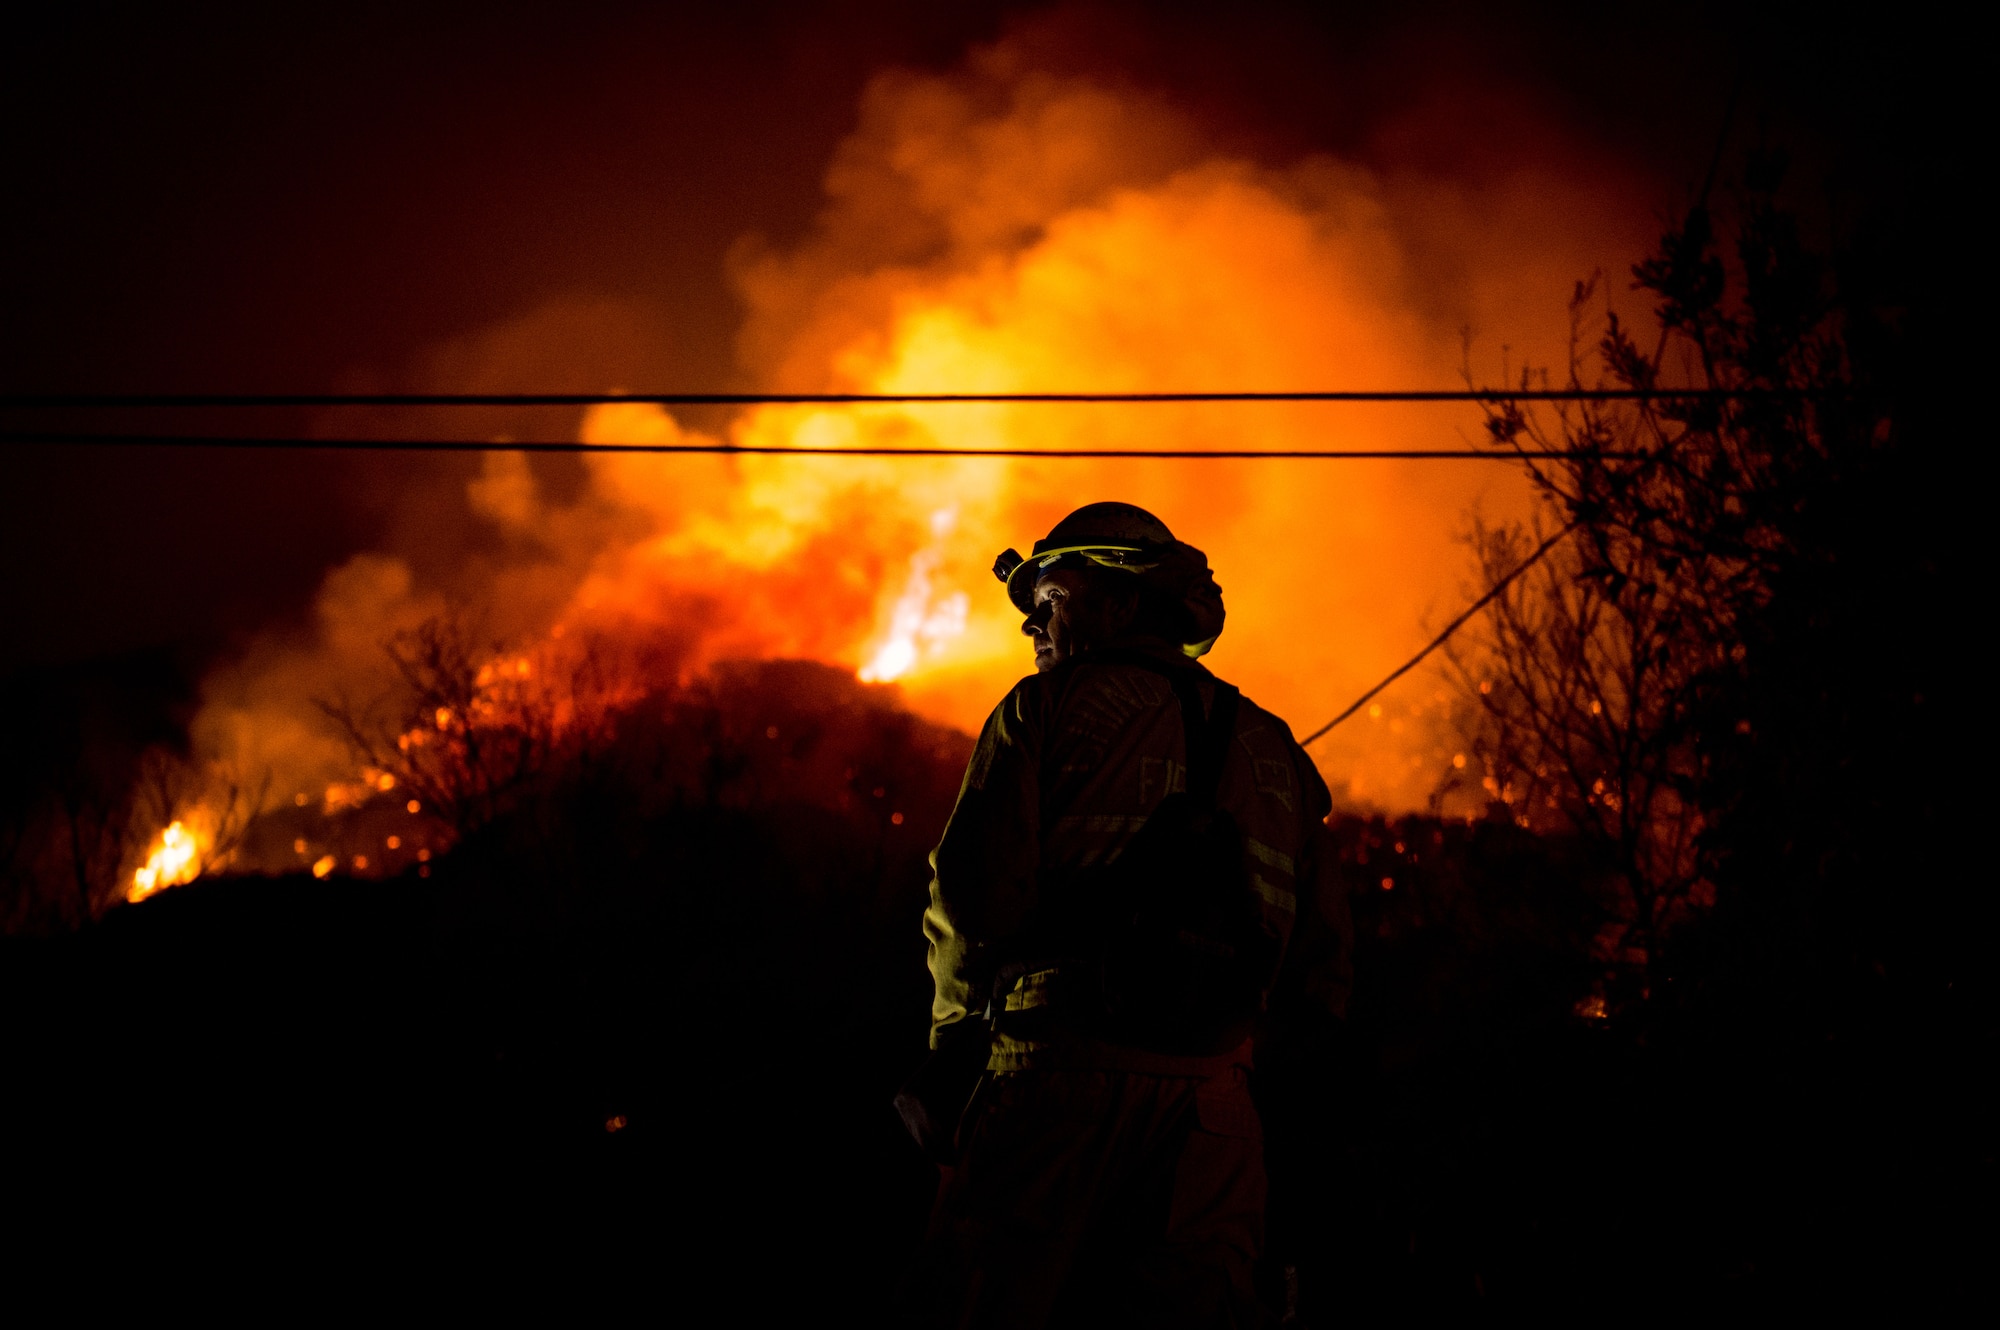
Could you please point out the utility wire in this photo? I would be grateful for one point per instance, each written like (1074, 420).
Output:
(568, 446)
(1442, 637)
(177, 401)
(95, 401)
(1707, 185)
(1714, 165)
(287, 443)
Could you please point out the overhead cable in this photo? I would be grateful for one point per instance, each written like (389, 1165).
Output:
(1444, 636)
(178, 401)
(288, 443)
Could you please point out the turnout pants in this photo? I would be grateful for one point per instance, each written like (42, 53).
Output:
(1099, 1197)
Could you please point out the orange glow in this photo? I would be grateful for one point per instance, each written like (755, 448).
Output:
(1002, 228)
(922, 624)
(1120, 271)
(176, 859)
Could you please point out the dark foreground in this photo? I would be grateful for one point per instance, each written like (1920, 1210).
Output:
(674, 1094)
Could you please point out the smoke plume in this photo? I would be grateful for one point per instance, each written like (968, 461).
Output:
(1005, 228)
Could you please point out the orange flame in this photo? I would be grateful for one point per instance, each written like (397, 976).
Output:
(923, 623)
(1005, 229)
(176, 859)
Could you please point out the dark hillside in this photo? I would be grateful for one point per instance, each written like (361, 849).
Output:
(636, 1039)
(678, 1019)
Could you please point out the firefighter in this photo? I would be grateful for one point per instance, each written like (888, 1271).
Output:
(1133, 867)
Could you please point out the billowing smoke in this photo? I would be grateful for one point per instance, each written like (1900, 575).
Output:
(1002, 228)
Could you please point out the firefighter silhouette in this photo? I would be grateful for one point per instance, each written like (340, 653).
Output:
(1133, 866)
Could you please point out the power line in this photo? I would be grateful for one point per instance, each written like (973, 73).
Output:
(1540, 550)
(1442, 637)
(296, 443)
(178, 401)
(289, 443)
(292, 443)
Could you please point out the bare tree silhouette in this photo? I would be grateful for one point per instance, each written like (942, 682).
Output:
(1585, 677)
(1615, 678)
(475, 724)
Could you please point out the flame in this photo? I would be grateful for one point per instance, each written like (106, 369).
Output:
(1070, 250)
(1005, 228)
(922, 623)
(176, 859)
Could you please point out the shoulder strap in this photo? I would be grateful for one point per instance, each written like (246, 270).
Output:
(1207, 739)
(1207, 736)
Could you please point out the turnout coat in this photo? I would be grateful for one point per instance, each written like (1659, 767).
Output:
(1067, 770)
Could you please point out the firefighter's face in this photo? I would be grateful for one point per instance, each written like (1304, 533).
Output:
(1073, 614)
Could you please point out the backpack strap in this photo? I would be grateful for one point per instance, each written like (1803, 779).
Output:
(1208, 745)
(1207, 735)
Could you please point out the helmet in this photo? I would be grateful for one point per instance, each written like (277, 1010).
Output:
(1130, 539)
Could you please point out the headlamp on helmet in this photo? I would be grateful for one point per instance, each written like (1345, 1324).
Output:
(1131, 540)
